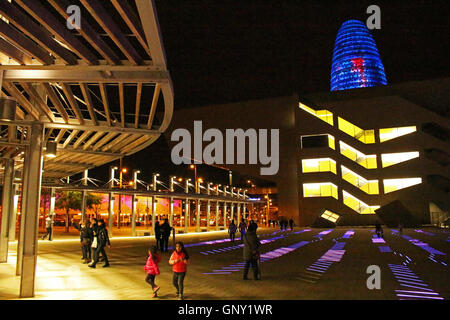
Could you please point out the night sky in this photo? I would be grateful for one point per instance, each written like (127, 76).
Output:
(228, 51)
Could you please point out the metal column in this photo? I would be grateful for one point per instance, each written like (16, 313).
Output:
(133, 215)
(217, 215)
(7, 207)
(111, 198)
(52, 207)
(238, 212)
(197, 216)
(225, 215)
(30, 215)
(154, 202)
(186, 215)
(172, 200)
(208, 214)
(232, 211)
(83, 197)
(13, 219)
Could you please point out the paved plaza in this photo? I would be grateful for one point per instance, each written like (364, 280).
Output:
(302, 264)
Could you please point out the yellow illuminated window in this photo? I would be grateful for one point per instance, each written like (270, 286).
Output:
(366, 161)
(391, 185)
(318, 165)
(323, 115)
(389, 159)
(392, 133)
(357, 205)
(323, 189)
(330, 216)
(365, 136)
(331, 142)
(368, 186)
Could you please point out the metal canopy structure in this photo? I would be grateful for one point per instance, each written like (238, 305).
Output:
(89, 76)
(102, 89)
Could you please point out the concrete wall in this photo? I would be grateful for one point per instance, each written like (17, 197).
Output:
(276, 113)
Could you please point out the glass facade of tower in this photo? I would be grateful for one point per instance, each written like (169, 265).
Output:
(356, 62)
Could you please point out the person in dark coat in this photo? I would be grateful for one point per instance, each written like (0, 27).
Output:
(102, 242)
(85, 239)
(291, 224)
(166, 229)
(93, 229)
(251, 251)
(158, 235)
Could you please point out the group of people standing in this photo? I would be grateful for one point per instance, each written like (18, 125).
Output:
(282, 223)
(162, 235)
(179, 260)
(94, 238)
(232, 229)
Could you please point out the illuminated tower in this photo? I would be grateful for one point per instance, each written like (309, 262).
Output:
(356, 62)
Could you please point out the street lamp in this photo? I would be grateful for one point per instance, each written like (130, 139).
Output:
(217, 189)
(135, 179)
(209, 188)
(172, 178)
(199, 184)
(194, 167)
(186, 185)
(111, 176)
(124, 170)
(155, 181)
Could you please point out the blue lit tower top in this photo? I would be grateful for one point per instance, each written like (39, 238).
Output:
(356, 62)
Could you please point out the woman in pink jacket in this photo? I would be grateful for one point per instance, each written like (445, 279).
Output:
(152, 269)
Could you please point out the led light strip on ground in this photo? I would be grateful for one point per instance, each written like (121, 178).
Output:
(424, 232)
(264, 241)
(410, 280)
(348, 234)
(264, 257)
(198, 244)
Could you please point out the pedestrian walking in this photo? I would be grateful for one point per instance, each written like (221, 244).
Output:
(291, 224)
(242, 229)
(48, 228)
(101, 243)
(165, 235)
(232, 231)
(93, 234)
(251, 252)
(152, 269)
(85, 241)
(379, 230)
(158, 235)
(179, 261)
(400, 229)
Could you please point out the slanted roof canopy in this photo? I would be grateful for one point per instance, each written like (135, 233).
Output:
(96, 88)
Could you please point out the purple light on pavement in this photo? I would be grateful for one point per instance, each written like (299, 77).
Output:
(348, 234)
(410, 286)
(421, 297)
(414, 283)
(323, 233)
(378, 240)
(419, 292)
(338, 246)
(385, 249)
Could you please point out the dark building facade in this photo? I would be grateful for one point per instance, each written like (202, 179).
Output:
(344, 155)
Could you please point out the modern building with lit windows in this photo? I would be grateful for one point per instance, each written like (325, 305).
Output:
(346, 154)
(363, 149)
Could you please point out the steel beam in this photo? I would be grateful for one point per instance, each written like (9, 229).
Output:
(84, 75)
